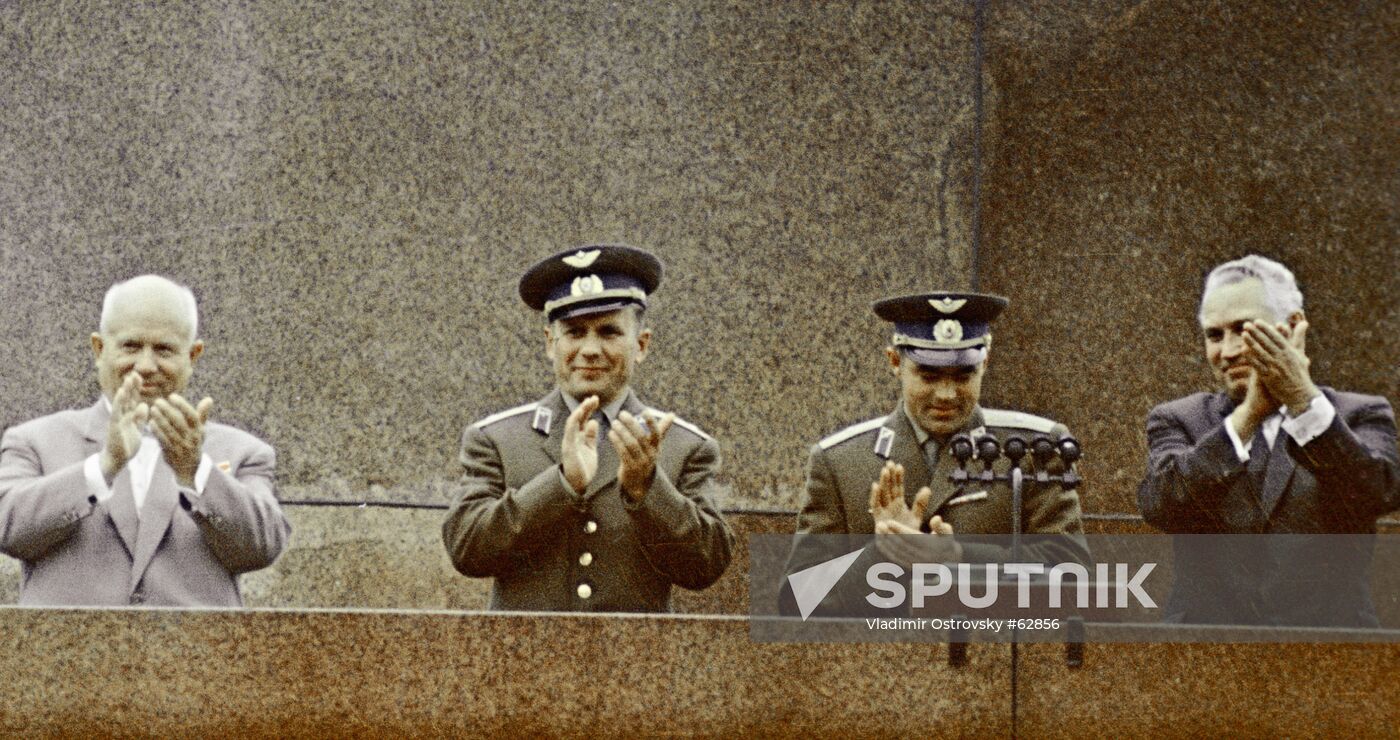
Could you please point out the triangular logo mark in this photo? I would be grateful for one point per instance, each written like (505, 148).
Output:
(811, 585)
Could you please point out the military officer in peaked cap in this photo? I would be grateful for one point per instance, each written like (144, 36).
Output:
(890, 475)
(588, 500)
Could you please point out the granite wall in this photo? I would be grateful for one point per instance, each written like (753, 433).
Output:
(1140, 144)
(328, 674)
(353, 189)
(140, 672)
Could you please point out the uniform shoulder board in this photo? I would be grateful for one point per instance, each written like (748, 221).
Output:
(682, 423)
(1017, 420)
(503, 415)
(851, 431)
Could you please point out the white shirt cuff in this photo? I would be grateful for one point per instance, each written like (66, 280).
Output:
(1241, 451)
(201, 474)
(97, 485)
(1314, 420)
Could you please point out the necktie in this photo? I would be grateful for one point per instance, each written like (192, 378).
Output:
(604, 424)
(931, 456)
(607, 456)
(1258, 461)
(911, 488)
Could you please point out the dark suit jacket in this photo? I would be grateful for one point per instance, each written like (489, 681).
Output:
(1280, 568)
(836, 501)
(184, 550)
(517, 521)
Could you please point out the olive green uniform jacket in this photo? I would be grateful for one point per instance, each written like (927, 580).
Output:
(548, 548)
(836, 499)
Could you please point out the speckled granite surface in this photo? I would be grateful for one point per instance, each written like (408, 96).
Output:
(1136, 150)
(326, 673)
(393, 558)
(1221, 690)
(353, 189)
(314, 674)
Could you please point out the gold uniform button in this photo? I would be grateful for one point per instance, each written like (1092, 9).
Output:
(585, 559)
(584, 590)
(590, 527)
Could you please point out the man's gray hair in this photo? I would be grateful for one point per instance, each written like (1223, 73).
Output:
(146, 283)
(1281, 292)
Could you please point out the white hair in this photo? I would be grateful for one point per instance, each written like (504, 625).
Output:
(1281, 292)
(145, 284)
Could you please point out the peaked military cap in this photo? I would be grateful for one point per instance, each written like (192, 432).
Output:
(942, 329)
(590, 279)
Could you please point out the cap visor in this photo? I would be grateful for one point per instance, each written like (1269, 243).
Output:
(585, 309)
(945, 357)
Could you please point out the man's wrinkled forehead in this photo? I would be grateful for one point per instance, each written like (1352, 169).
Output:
(147, 314)
(150, 301)
(1231, 303)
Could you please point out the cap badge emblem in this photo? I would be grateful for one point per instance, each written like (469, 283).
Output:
(582, 258)
(946, 304)
(947, 331)
(586, 285)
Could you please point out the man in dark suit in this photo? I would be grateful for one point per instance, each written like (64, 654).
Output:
(138, 499)
(890, 475)
(587, 500)
(1296, 472)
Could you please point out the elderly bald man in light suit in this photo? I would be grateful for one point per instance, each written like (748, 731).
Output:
(139, 498)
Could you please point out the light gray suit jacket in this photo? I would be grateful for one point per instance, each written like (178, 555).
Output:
(183, 550)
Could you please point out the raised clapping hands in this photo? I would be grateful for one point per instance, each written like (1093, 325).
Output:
(1280, 364)
(179, 427)
(580, 446)
(637, 446)
(129, 415)
(894, 517)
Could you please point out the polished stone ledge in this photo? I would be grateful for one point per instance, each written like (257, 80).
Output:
(334, 672)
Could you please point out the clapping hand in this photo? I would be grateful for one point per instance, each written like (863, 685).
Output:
(638, 445)
(1280, 362)
(179, 427)
(580, 447)
(124, 426)
(897, 525)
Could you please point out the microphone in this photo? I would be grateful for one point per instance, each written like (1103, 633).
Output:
(1069, 450)
(961, 446)
(1015, 449)
(988, 450)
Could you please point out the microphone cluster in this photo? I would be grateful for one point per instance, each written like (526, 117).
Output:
(1043, 451)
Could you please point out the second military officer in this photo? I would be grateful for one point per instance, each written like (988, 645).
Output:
(587, 500)
(891, 474)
